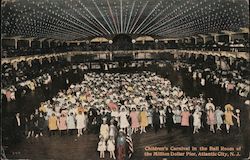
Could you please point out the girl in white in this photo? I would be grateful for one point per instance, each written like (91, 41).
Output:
(80, 123)
(101, 147)
(123, 119)
(104, 130)
(112, 129)
(197, 121)
(162, 117)
(111, 147)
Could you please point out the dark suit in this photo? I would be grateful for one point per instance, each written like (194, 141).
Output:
(156, 120)
(18, 129)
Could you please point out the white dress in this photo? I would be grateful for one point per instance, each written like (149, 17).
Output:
(101, 146)
(123, 120)
(111, 145)
(80, 121)
(104, 131)
(112, 130)
(162, 115)
(197, 119)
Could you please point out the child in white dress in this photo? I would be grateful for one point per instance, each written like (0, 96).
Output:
(197, 121)
(101, 147)
(111, 147)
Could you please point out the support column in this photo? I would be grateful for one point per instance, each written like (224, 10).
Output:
(215, 35)
(15, 42)
(41, 42)
(229, 33)
(195, 39)
(56, 42)
(203, 38)
(188, 39)
(29, 42)
(49, 41)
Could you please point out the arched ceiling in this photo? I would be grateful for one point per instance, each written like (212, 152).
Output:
(87, 19)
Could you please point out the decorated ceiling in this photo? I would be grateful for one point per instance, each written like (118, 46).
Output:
(85, 19)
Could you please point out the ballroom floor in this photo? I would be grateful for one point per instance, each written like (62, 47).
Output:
(84, 148)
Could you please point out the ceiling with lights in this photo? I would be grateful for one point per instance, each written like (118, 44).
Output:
(85, 19)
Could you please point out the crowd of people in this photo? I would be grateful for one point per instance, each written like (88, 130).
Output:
(27, 78)
(113, 104)
(232, 76)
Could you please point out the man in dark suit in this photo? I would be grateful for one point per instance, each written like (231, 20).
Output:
(18, 127)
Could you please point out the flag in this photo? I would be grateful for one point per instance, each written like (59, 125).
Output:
(130, 146)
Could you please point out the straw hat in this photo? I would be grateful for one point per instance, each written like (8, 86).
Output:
(229, 107)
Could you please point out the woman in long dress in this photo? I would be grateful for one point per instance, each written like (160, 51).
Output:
(185, 119)
(197, 121)
(169, 119)
(156, 120)
(143, 120)
(211, 119)
(31, 126)
(134, 115)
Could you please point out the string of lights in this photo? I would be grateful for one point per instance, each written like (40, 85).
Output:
(83, 19)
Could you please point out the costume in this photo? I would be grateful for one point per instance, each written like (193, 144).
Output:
(197, 119)
(185, 118)
(112, 130)
(218, 115)
(229, 118)
(104, 131)
(80, 121)
(101, 146)
(71, 122)
(111, 145)
(177, 116)
(121, 147)
(162, 116)
(123, 119)
(53, 123)
(211, 119)
(134, 119)
(62, 123)
(144, 119)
